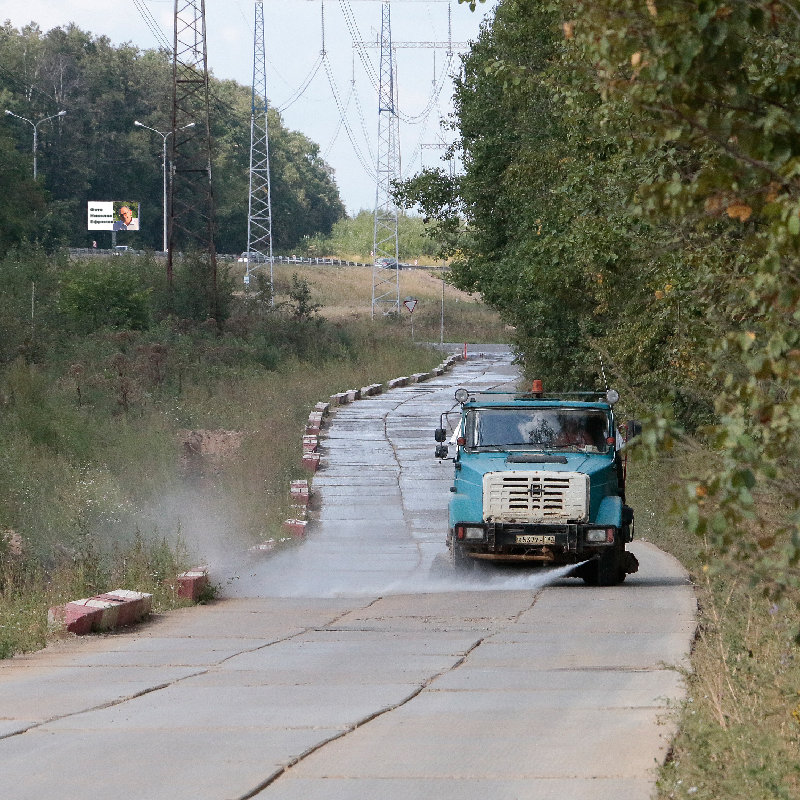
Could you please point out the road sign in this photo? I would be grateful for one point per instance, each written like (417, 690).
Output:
(410, 303)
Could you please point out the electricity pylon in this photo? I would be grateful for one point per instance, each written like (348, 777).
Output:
(259, 207)
(386, 284)
(192, 222)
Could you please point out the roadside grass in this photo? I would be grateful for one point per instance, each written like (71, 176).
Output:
(95, 481)
(739, 731)
(345, 294)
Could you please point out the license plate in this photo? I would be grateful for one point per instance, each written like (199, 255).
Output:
(535, 538)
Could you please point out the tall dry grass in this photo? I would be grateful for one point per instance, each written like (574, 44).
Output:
(739, 732)
(345, 294)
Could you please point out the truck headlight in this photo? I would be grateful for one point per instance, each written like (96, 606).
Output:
(469, 532)
(600, 535)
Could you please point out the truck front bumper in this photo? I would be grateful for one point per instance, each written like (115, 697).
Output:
(550, 544)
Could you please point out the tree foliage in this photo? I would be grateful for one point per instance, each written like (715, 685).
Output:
(632, 190)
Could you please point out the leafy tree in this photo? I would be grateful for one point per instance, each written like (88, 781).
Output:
(96, 153)
(631, 190)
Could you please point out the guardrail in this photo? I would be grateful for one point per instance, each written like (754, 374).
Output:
(334, 262)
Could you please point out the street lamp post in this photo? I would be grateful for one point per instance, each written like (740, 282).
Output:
(163, 171)
(35, 126)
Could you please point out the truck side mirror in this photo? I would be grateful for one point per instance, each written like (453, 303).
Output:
(440, 435)
(441, 451)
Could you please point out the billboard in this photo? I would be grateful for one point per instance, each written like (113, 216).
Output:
(113, 215)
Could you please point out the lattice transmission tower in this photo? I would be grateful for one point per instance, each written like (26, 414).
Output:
(259, 213)
(386, 283)
(192, 222)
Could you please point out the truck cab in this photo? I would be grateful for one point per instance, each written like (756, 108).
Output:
(539, 480)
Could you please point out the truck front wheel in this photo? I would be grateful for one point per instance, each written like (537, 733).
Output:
(459, 560)
(607, 569)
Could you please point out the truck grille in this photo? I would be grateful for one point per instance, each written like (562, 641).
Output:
(535, 496)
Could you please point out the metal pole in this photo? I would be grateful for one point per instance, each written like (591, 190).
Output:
(34, 150)
(164, 136)
(164, 198)
(441, 327)
(35, 126)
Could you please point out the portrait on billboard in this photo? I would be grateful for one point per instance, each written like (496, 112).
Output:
(126, 216)
(113, 215)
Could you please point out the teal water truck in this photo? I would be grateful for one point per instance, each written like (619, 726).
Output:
(539, 479)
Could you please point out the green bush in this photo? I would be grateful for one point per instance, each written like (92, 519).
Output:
(97, 294)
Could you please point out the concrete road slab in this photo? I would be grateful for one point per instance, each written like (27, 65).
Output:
(39, 693)
(136, 765)
(527, 745)
(290, 787)
(650, 687)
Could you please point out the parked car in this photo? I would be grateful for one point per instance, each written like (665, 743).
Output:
(388, 263)
(121, 249)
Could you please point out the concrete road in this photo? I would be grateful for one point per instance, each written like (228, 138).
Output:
(351, 667)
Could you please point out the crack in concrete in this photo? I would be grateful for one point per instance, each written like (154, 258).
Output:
(356, 725)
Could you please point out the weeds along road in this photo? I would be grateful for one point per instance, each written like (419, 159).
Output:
(346, 669)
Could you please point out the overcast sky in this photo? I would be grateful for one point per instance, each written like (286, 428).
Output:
(293, 42)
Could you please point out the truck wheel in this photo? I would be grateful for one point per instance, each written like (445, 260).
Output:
(606, 570)
(459, 560)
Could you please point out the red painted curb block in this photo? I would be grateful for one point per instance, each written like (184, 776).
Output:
(296, 527)
(102, 612)
(311, 461)
(310, 442)
(75, 617)
(193, 583)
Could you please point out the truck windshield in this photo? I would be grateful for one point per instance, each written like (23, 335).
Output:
(581, 429)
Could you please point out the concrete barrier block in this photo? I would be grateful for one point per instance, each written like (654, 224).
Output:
(75, 617)
(310, 442)
(419, 377)
(322, 408)
(311, 461)
(353, 395)
(397, 382)
(263, 547)
(377, 387)
(314, 420)
(295, 527)
(131, 606)
(193, 583)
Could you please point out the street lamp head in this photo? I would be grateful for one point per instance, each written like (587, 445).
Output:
(10, 113)
(136, 122)
(61, 113)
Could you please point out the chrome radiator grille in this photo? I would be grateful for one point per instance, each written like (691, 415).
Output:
(535, 496)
